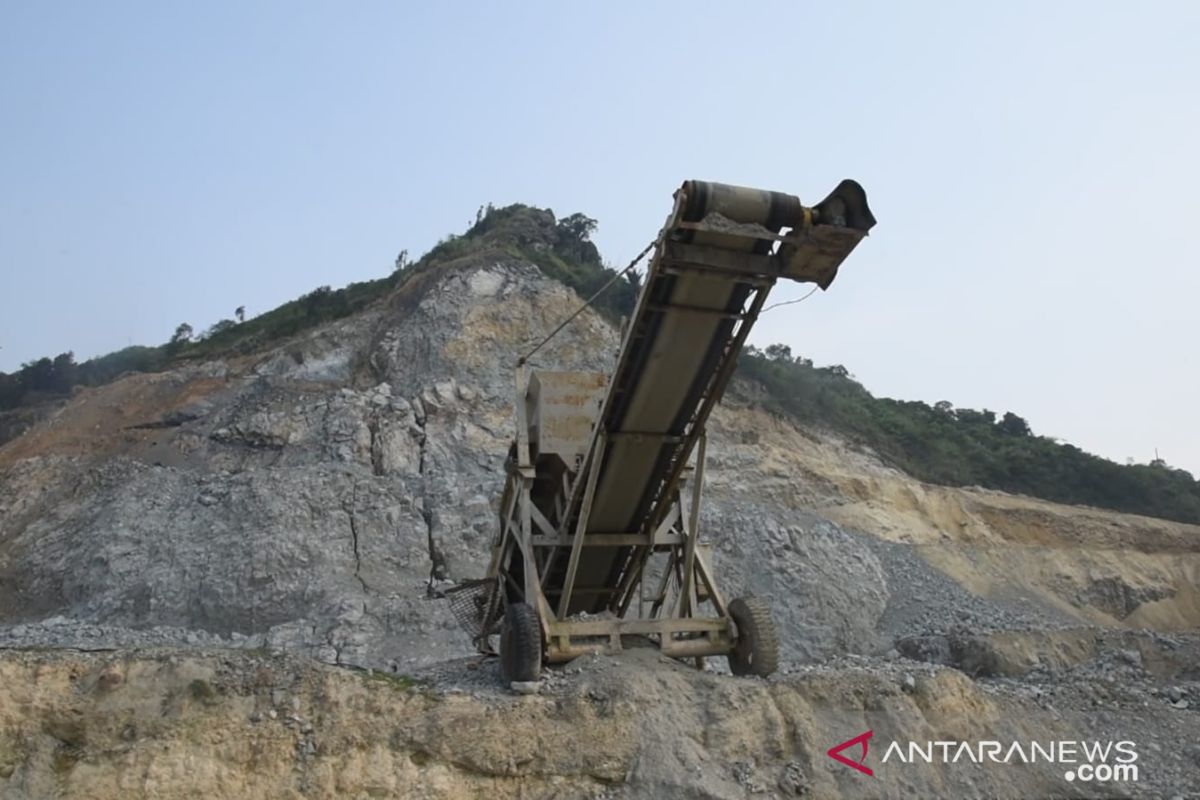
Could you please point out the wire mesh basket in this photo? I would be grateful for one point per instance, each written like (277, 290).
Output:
(477, 606)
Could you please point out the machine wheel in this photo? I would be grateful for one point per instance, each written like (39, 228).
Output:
(756, 651)
(521, 644)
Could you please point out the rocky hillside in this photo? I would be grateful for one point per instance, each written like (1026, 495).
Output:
(299, 499)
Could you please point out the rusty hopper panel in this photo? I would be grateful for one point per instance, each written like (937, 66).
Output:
(561, 408)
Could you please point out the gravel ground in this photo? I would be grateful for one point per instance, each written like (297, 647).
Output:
(922, 600)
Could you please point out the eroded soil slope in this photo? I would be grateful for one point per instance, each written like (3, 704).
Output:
(221, 724)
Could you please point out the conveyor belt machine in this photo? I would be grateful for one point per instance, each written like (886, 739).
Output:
(599, 519)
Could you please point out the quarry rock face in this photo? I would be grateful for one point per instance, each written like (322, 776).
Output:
(302, 500)
(305, 500)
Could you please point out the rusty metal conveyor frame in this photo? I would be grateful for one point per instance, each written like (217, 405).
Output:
(713, 266)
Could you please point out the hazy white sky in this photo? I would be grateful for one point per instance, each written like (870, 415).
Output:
(1033, 167)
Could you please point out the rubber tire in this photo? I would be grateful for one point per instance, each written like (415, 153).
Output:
(756, 651)
(520, 644)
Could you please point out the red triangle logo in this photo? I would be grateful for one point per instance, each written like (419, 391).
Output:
(835, 752)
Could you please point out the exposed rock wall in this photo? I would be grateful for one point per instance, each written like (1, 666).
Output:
(302, 498)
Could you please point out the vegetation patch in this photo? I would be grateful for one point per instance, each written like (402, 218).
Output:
(561, 248)
(396, 680)
(965, 447)
(202, 691)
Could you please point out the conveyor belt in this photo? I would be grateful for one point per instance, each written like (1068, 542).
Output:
(716, 260)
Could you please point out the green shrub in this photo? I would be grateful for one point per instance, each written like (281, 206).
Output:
(965, 447)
